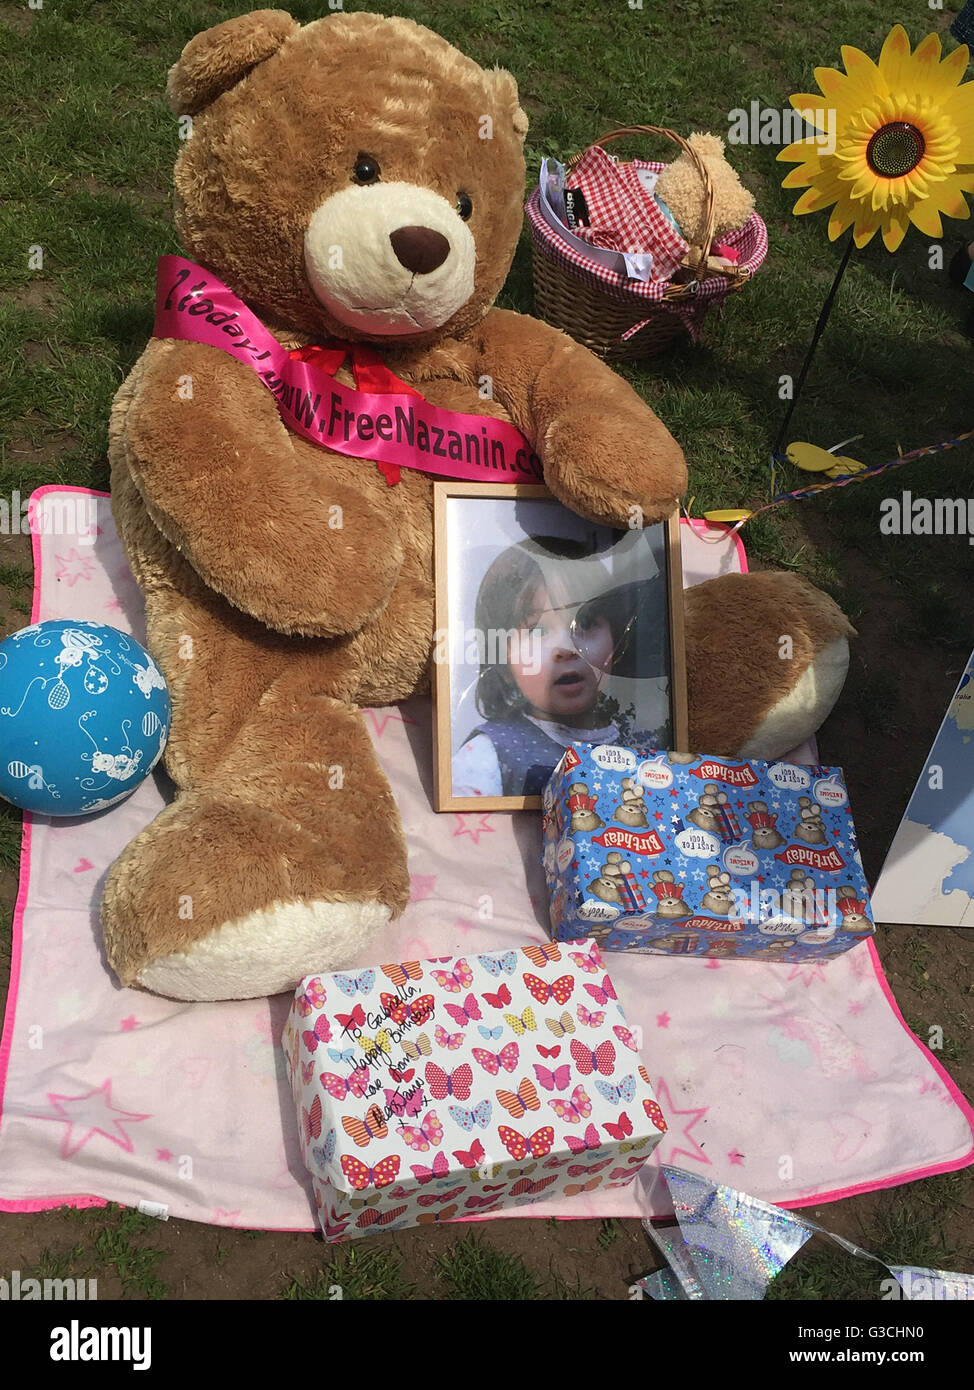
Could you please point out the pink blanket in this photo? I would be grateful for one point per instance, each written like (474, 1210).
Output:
(795, 1084)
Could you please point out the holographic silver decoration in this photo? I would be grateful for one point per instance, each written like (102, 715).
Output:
(730, 1246)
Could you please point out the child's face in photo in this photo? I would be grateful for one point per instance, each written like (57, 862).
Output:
(558, 667)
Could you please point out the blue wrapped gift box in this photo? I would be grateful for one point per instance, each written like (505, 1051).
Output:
(674, 854)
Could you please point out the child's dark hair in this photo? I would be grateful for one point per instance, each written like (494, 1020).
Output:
(505, 598)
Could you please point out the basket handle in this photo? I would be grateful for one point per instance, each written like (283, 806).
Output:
(696, 257)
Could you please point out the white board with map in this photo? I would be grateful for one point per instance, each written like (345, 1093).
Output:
(928, 877)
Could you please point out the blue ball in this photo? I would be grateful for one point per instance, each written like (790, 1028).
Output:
(84, 717)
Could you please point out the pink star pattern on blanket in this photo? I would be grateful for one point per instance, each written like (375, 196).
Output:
(669, 1150)
(72, 567)
(809, 972)
(92, 1113)
(474, 831)
(379, 718)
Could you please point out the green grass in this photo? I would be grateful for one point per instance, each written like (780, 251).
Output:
(113, 1246)
(372, 1274)
(609, 1234)
(470, 1270)
(914, 1226)
(474, 1270)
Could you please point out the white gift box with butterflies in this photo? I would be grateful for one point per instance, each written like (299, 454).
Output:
(433, 1090)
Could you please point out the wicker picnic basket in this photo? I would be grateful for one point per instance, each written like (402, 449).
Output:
(621, 319)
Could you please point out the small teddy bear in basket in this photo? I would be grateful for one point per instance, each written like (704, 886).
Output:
(682, 195)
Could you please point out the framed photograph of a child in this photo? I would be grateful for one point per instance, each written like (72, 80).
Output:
(549, 630)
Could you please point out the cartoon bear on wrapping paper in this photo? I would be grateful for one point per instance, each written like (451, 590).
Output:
(632, 810)
(719, 897)
(610, 883)
(581, 804)
(810, 826)
(357, 179)
(764, 832)
(669, 896)
(706, 815)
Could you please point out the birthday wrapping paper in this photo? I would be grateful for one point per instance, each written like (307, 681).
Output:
(673, 854)
(432, 1090)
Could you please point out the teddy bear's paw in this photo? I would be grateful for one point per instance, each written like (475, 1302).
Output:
(767, 655)
(804, 707)
(267, 952)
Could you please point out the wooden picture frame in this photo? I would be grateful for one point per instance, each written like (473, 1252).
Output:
(454, 709)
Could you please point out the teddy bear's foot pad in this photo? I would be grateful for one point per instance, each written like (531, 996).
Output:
(267, 952)
(225, 899)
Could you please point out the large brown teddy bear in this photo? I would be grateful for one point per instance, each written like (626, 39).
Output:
(272, 628)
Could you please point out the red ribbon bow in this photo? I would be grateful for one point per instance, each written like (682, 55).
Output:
(848, 906)
(668, 890)
(370, 372)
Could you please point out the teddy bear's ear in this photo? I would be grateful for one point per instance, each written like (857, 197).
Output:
(505, 93)
(705, 145)
(216, 60)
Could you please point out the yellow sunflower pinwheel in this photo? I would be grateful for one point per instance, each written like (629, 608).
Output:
(900, 147)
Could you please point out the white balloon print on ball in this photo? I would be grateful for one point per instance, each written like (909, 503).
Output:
(84, 717)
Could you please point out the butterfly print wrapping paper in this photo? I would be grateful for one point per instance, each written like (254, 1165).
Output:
(672, 854)
(432, 1090)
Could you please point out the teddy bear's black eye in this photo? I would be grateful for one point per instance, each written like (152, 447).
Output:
(464, 206)
(366, 169)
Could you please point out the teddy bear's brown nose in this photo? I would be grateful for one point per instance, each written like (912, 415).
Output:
(419, 249)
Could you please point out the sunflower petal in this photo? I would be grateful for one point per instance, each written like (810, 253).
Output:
(810, 105)
(843, 215)
(862, 185)
(831, 80)
(951, 199)
(865, 229)
(954, 66)
(927, 52)
(926, 218)
(895, 229)
(812, 200)
(863, 70)
(895, 58)
(958, 108)
(800, 177)
(800, 150)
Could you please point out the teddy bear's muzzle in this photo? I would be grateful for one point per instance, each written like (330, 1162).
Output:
(390, 259)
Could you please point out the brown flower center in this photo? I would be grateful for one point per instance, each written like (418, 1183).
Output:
(895, 149)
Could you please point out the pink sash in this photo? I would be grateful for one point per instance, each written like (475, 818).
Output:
(395, 430)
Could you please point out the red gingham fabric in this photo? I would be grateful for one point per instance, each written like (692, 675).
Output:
(750, 241)
(625, 217)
